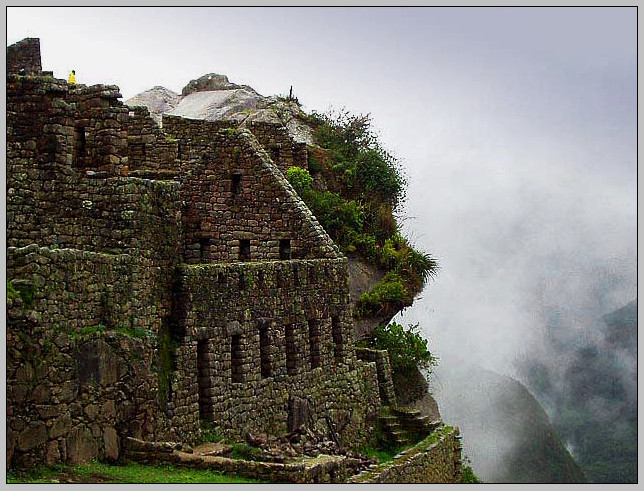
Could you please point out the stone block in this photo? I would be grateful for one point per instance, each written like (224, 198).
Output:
(60, 426)
(81, 446)
(32, 436)
(52, 453)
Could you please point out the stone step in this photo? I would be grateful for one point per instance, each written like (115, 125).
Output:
(408, 411)
(390, 422)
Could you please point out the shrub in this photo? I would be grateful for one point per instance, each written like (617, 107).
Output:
(300, 179)
(11, 290)
(367, 169)
(406, 347)
(389, 295)
(339, 217)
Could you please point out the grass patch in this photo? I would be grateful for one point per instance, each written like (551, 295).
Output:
(468, 476)
(240, 450)
(381, 455)
(11, 290)
(131, 332)
(131, 473)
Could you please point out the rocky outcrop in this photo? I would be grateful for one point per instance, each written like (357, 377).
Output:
(509, 437)
(158, 100)
(213, 97)
(210, 82)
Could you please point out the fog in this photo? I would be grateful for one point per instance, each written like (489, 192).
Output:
(528, 199)
(516, 129)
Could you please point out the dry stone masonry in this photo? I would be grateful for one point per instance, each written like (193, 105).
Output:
(163, 279)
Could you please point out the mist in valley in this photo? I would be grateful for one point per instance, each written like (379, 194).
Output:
(531, 211)
(527, 197)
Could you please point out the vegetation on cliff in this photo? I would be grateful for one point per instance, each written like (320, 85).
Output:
(406, 347)
(354, 188)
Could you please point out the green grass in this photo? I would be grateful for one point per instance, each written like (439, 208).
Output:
(11, 290)
(468, 476)
(381, 455)
(132, 473)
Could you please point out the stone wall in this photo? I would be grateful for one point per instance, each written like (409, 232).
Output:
(24, 54)
(307, 470)
(80, 350)
(150, 153)
(284, 152)
(383, 367)
(267, 338)
(39, 121)
(437, 459)
(100, 136)
(239, 206)
(273, 137)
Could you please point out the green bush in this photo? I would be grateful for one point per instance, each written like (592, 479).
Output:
(367, 170)
(300, 179)
(364, 185)
(389, 295)
(406, 347)
(339, 217)
(468, 476)
(11, 290)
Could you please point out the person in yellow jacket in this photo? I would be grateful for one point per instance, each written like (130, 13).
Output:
(72, 78)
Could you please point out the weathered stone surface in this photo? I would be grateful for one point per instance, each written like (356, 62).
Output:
(52, 454)
(111, 443)
(60, 426)
(32, 436)
(434, 460)
(81, 446)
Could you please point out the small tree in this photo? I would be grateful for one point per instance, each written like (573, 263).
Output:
(406, 347)
(299, 178)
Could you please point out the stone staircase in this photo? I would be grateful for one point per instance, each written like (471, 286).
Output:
(402, 426)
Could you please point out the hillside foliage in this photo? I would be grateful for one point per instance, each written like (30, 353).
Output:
(362, 188)
(407, 349)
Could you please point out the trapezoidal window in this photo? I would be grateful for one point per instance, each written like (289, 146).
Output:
(244, 249)
(265, 351)
(336, 333)
(314, 343)
(291, 349)
(285, 249)
(236, 183)
(80, 150)
(236, 359)
(204, 248)
(205, 381)
(275, 154)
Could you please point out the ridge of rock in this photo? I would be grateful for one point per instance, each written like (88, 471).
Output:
(158, 100)
(212, 97)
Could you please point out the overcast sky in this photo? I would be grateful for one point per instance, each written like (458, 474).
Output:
(516, 128)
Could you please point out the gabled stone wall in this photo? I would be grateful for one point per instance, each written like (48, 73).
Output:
(25, 55)
(239, 206)
(273, 138)
(149, 306)
(284, 152)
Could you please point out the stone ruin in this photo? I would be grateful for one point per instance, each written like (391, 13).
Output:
(166, 280)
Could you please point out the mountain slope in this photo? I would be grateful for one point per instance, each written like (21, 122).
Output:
(508, 437)
(593, 396)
